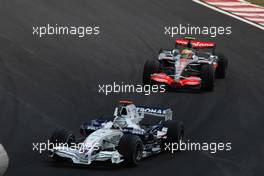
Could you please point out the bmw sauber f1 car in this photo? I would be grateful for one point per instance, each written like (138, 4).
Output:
(186, 65)
(135, 133)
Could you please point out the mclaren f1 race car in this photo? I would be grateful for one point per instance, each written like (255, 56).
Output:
(135, 133)
(191, 63)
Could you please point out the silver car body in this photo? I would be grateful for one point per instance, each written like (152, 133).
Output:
(101, 144)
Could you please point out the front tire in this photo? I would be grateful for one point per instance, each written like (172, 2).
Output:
(207, 76)
(150, 67)
(61, 136)
(131, 147)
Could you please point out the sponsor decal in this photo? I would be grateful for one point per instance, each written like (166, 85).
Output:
(197, 44)
(152, 110)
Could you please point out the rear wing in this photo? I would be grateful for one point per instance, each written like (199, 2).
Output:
(194, 44)
(159, 112)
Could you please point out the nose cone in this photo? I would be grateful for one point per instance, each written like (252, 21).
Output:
(3, 160)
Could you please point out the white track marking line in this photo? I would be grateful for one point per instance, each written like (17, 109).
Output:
(229, 14)
(4, 160)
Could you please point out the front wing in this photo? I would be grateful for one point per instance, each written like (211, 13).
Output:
(183, 81)
(78, 157)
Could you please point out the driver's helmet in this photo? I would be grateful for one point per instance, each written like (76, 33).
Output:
(186, 53)
(175, 52)
(119, 122)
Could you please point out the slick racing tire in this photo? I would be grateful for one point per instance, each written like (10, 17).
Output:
(175, 132)
(131, 147)
(207, 76)
(150, 67)
(221, 69)
(60, 136)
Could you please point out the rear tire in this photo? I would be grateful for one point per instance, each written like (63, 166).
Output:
(59, 136)
(150, 67)
(175, 132)
(221, 69)
(131, 147)
(207, 76)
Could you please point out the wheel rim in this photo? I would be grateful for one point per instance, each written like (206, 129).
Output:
(138, 153)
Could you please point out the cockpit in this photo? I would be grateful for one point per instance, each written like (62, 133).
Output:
(127, 115)
(120, 117)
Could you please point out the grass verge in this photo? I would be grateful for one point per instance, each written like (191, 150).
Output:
(258, 2)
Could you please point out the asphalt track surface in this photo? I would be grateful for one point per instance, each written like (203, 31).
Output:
(51, 82)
